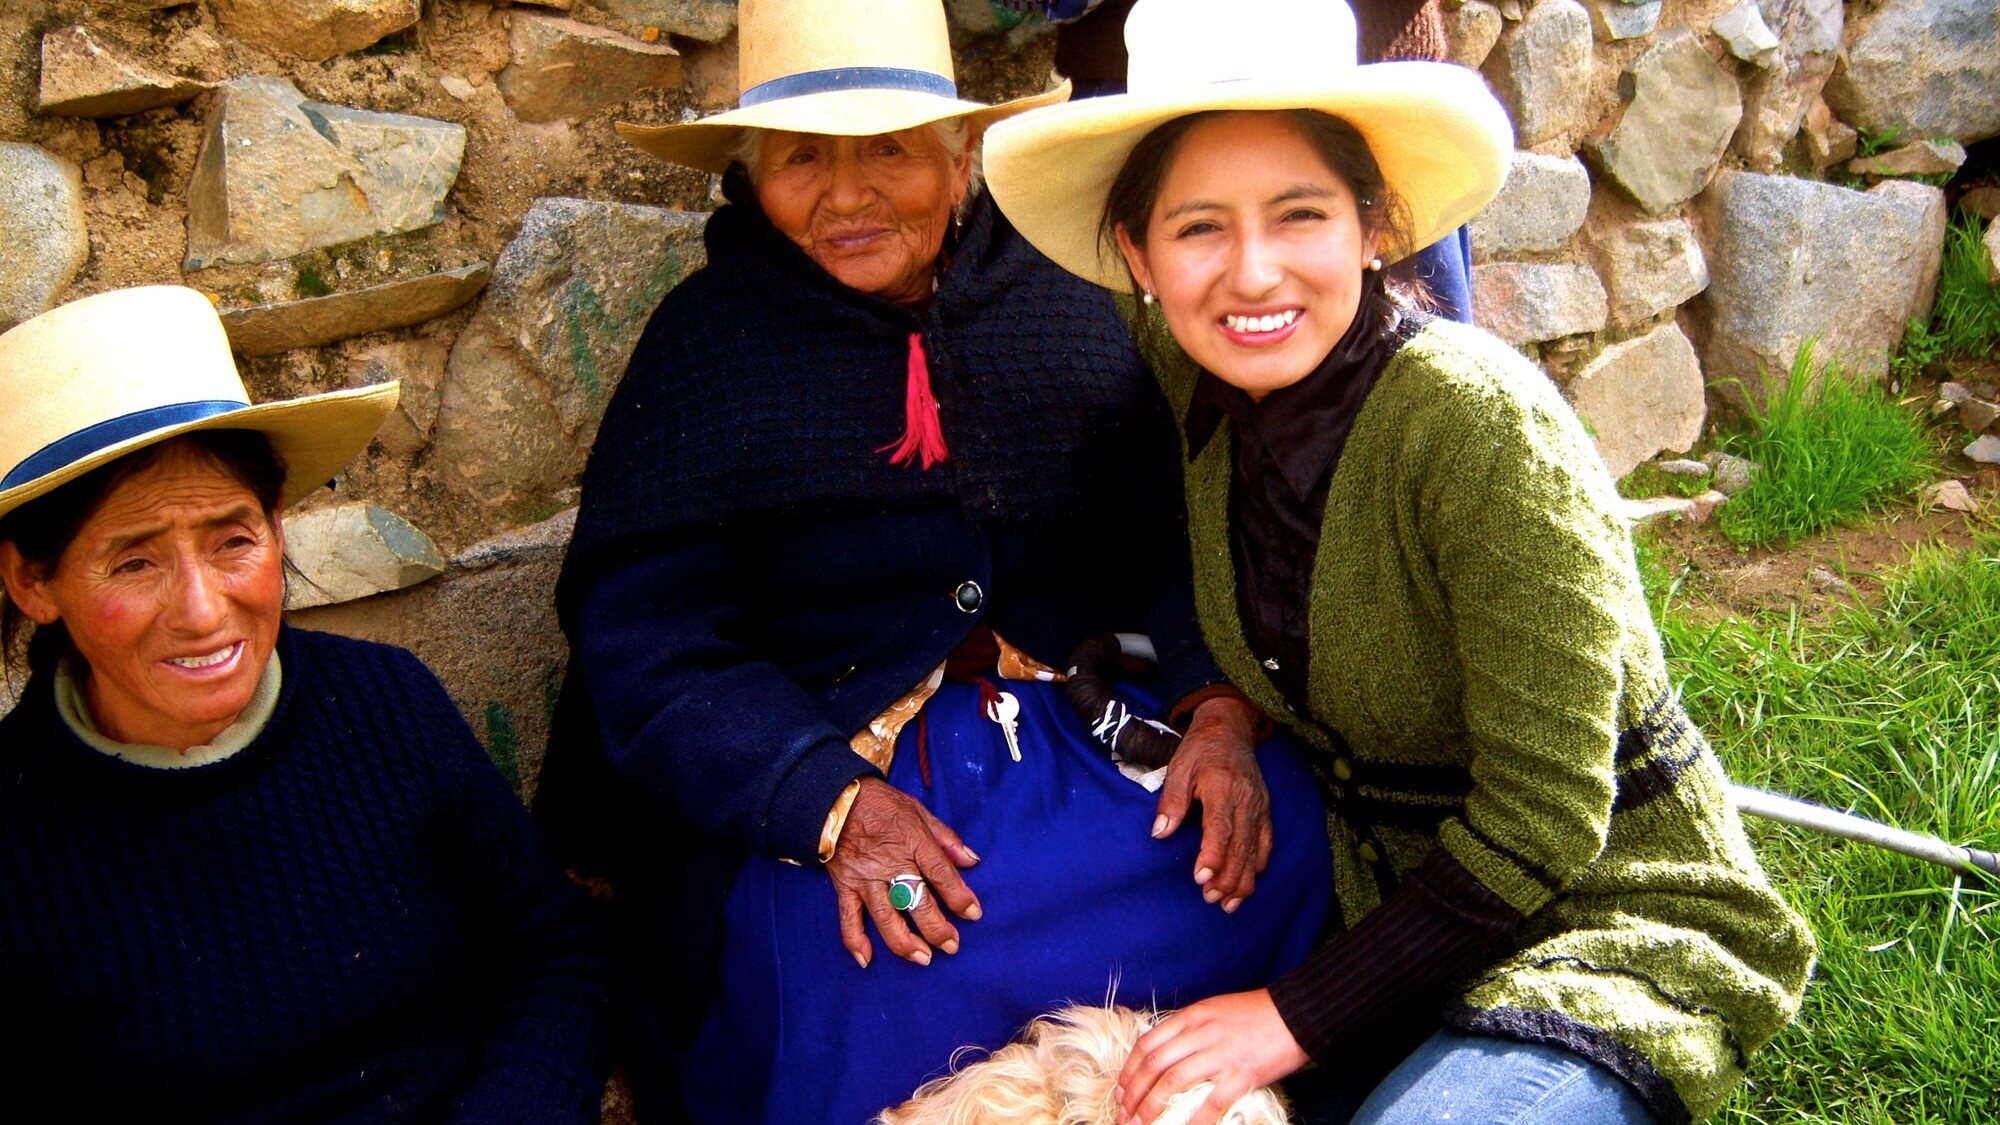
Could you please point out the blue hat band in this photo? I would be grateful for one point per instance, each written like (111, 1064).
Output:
(848, 78)
(75, 447)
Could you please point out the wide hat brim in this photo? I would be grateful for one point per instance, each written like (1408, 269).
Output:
(315, 437)
(1442, 140)
(861, 112)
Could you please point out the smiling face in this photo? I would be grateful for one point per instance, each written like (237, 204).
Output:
(171, 592)
(872, 211)
(1255, 248)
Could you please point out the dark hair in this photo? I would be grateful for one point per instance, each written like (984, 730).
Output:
(43, 528)
(1341, 146)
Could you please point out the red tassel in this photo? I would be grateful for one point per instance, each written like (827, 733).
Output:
(923, 436)
(923, 749)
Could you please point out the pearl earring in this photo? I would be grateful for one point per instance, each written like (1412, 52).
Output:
(1374, 265)
(1147, 297)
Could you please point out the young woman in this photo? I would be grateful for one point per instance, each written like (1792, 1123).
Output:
(1407, 551)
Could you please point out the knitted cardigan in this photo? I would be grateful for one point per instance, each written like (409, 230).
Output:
(350, 919)
(1485, 679)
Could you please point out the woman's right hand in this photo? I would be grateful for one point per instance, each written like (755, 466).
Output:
(888, 833)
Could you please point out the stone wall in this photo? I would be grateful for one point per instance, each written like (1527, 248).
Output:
(431, 191)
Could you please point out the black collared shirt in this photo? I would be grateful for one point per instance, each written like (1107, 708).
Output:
(1287, 446)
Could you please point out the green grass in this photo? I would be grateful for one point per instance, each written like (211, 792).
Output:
(1646, 480)
(1921, 347)
(1892, 711)
(1833, 448)
(1869, 143)
(1966, 315)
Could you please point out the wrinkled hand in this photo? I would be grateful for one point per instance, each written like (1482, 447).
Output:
(1238, 1041)
(888, 833)
(1217, 765)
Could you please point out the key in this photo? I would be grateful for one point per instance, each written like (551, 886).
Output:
(1006, 711)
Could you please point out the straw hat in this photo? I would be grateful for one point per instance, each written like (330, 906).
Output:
(93, 380)
(1441, 138)
(853, 68)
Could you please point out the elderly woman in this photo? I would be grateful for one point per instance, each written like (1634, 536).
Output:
(871, 475)
(1408, 552)
(247, 873)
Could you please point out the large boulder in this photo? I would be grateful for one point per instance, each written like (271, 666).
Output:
(562, 68)
(1775, 99)
(418, 366)
(1541, 204)
(1924, 158)
(706, 20)
(314, 29)
(1541, 70)
(488, 629)
(1795, 260)
(1648, 265)
(83, 76)
(1827, 139)
(1470, 31)
(45, 242)
(279, 174)
(530, 375)
(268, 329)
(1640, 397)
(1679, 112)
(1624, 19)
(1523, 303)
(1927, 68)
(352, 551)
(1742, 29)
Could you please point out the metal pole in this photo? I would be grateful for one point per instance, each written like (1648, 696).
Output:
(1805, 814)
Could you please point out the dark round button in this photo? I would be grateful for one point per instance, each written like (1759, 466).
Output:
(969, 596)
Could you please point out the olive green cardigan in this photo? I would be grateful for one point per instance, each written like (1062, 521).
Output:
(1482, 646)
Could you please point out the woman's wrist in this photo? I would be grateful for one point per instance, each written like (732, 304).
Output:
(836, 819)
(1181, 716)
(1230, 714)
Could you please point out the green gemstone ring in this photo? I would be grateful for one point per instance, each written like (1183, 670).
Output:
(906, 892)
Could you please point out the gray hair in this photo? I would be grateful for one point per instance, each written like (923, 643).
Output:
(953, 133)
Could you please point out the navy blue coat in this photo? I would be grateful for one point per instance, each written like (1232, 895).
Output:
(752, 581)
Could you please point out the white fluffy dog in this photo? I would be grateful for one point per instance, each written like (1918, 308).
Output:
(1060, 1072)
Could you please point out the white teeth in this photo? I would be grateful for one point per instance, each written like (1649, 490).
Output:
(209, 661)
(1270, 323)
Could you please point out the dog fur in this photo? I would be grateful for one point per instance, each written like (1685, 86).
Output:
(1060, 1072)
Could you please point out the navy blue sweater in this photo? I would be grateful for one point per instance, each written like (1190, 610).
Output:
(751, 580)
(351, 919)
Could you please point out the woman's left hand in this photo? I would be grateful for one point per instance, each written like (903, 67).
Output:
(1238, 1041)
(1216, 764)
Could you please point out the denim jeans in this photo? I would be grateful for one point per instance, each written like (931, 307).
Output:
(1476, 1080)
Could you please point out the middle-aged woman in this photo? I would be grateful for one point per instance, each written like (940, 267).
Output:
(247, 872)
(1407, 550)
(869, 476)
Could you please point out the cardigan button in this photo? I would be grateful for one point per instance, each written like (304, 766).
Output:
(1367, 852)
(1342, 770)
(969, 596)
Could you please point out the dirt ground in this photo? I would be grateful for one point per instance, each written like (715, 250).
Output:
(1720, 579)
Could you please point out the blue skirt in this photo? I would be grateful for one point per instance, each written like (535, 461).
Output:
(1080, 903)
